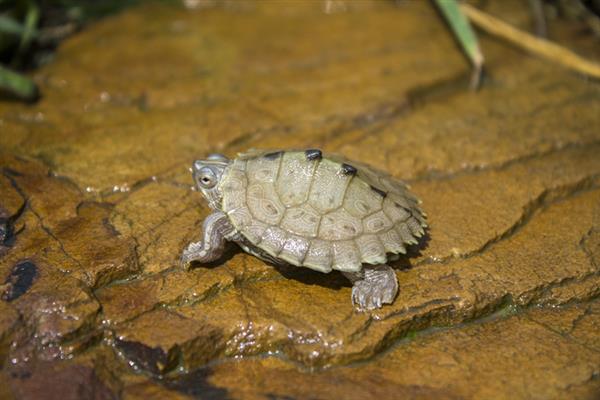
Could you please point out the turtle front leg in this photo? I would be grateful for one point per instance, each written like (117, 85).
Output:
(374, 286)
(216, 229)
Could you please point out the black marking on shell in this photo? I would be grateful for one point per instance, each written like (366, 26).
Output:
(348, 169)
(313, 154)
(378, 191)
(273, 155)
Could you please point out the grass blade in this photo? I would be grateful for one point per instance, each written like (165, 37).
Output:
(465, 35)
(535, 45)
(31, 21)
(17, 85)
(11, 26)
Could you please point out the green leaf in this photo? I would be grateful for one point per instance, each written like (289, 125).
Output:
(9, 25)
(464, 34)
(17, 85)
(31, 21)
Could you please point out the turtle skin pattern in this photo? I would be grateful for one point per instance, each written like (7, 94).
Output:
(317, 211)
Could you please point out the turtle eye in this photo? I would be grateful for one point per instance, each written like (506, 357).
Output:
(206, 178)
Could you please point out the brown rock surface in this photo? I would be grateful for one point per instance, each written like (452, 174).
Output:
(535, 354)
(500, 301)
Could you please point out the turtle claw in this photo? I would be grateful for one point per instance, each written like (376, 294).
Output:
(189, 255)
(379, 286)
(184, 262)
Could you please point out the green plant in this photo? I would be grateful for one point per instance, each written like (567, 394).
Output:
(464, 35)
(18, 28)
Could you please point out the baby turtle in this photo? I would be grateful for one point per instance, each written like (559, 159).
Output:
(310, 210)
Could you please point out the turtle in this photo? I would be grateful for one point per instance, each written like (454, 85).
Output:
(309, 209)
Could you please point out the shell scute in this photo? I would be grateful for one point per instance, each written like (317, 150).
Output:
(273, 239)
(294, 179)
(360, 199)
(240, 217)
(294, 249)
(255, 230)
(339, 225)
(319, 256)
(302, 220)
(264, 203)
(371, 249)
(415, 227)
(233, 188)
(392, 242)
(406, 234)
(377, 222)
(236, 181)
(328, 187)
(395, 212)
(346, 256)
(262, 170)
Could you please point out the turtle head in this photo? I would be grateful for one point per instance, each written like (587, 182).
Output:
(207, 175)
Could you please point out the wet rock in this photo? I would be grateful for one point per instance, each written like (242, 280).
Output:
(159, 226)
(66, 230)
(102, 254)
(51, 381)
(8, 232)
(126, 300)
(150, 359)
(315, 324)
(509, 177)
(54, 311)
(531, 354)
(192, 114)
(159, 341)
(65, 247)
(151, 391)
(12, 206)
(197, 384)
(8, 322)
(19, 280)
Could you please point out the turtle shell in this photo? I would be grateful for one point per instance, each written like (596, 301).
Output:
(317, 211)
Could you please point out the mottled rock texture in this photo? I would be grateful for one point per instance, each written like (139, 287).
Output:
(500, 301)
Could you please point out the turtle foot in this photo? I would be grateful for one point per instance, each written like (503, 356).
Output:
(378, 286)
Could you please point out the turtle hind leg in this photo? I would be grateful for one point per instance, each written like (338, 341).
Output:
(374, 286)
(216, 229)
